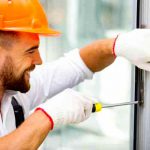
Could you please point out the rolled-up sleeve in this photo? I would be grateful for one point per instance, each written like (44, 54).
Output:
(52, 78)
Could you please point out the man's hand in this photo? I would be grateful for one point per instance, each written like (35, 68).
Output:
(135, 46)
(67, 107)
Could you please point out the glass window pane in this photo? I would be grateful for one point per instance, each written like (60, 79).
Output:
(81, 22)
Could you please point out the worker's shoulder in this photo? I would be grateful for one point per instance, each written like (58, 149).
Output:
(22, 98)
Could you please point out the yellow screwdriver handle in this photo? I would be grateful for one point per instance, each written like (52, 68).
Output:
(97, 107)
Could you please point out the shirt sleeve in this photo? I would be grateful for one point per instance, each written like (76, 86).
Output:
(52, 78)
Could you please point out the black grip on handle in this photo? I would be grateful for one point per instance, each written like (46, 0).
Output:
(93, 108)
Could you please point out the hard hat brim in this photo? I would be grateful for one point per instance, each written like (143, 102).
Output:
(41, 31)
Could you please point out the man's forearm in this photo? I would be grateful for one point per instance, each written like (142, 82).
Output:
(29, 135)
(98, 54)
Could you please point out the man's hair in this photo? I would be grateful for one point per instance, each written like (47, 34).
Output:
(8, 38)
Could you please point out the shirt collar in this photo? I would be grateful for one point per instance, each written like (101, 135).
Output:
(11, 92)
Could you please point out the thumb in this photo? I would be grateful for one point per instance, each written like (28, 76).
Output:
(88, 104)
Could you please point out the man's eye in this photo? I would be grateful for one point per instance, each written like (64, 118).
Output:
(31, 52)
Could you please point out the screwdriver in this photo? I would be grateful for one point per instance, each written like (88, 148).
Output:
(98, 106)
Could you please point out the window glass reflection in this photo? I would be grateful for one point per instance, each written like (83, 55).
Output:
(81, 22)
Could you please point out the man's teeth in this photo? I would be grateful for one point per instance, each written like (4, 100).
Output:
(28, 72)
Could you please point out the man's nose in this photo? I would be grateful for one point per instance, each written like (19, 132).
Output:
(37, 58)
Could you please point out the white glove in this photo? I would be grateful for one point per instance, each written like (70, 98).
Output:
(67, 107)
(135, 46)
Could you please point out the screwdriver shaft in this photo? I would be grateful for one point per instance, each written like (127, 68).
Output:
(120, 104)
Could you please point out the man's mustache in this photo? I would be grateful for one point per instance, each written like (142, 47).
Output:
(31, 68)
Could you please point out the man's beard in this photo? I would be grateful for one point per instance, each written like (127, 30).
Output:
(10, 81)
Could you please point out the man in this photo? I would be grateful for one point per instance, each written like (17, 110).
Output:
(19, 42)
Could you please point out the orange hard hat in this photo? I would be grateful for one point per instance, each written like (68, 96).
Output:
(24, 16)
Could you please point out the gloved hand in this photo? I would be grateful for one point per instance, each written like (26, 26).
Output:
(135, 46)
(67, 107)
